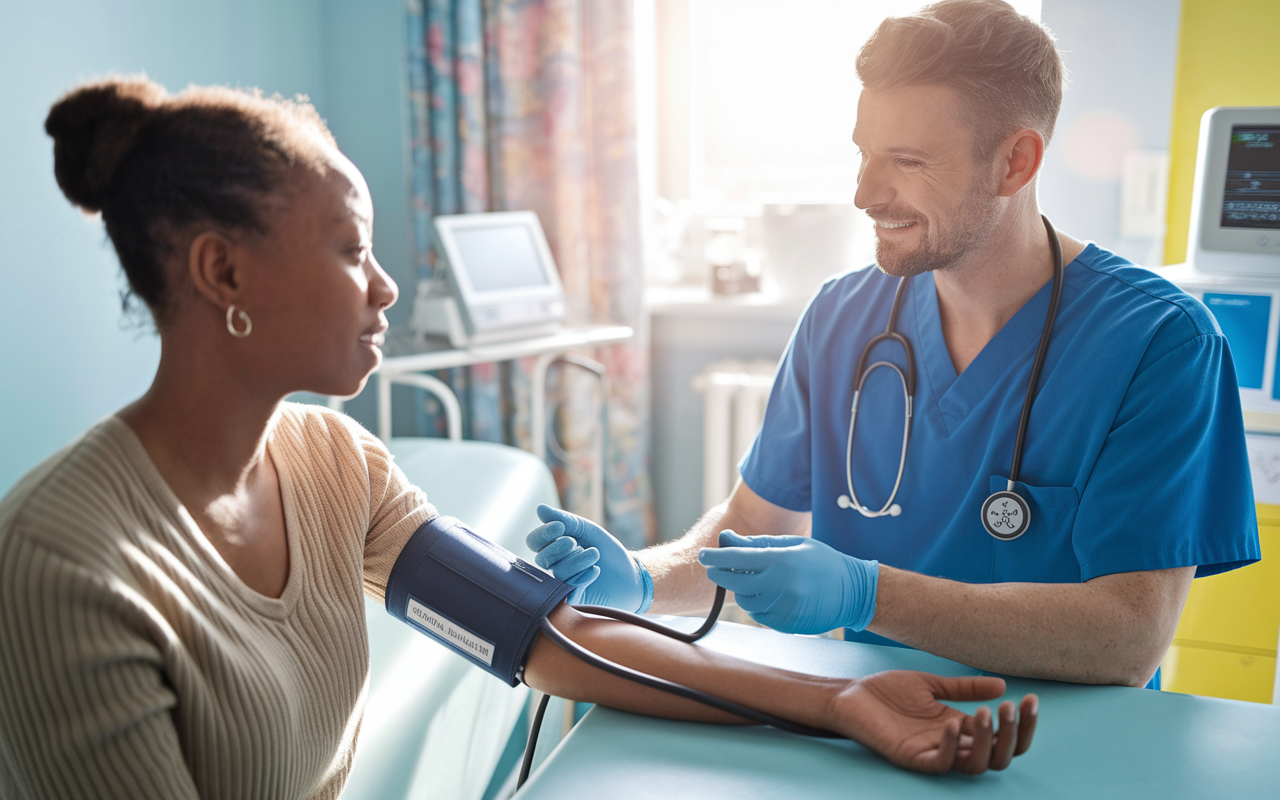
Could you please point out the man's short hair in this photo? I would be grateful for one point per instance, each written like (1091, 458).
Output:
(1004, 65)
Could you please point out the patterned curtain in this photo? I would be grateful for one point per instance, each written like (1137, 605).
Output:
(530, 104)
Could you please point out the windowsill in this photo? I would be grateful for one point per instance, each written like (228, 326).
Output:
(699, 302)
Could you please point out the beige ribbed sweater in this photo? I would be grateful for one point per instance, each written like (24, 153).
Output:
(135, 664)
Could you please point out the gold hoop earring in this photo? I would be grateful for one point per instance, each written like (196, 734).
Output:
(231, 327)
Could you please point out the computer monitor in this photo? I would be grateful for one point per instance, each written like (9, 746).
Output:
(502, 274)
(1235, 214)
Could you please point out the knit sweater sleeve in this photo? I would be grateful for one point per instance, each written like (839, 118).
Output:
(397, 508)
(84, 707)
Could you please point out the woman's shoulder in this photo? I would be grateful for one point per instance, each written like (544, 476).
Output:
(81, 495)
(324, 447)
(307, 429)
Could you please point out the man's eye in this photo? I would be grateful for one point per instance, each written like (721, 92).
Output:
(907, 163)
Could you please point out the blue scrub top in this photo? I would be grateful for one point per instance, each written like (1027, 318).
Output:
(1135, 452)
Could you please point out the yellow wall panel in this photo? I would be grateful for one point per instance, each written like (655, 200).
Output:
(1217, 673)
(1227, 56)
(1225, 644)
(1240, 608)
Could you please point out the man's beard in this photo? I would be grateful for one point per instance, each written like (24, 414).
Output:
(974, 219)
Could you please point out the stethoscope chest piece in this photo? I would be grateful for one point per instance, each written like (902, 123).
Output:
(1006, 515)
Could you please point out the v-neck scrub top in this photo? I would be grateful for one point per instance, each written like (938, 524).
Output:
(1134, 457)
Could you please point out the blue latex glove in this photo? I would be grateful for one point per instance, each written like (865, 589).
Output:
(793, 583)
(585, 556)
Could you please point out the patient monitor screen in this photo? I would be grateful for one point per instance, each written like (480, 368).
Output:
(499, 257)
(1252, 196)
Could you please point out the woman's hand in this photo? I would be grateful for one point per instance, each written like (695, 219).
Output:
(897, 714)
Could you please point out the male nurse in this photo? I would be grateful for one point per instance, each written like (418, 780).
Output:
(1134, 469)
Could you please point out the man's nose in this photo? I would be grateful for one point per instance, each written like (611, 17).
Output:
(873, 189)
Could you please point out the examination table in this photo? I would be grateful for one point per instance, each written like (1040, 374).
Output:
(435, 726)
(1092, 742)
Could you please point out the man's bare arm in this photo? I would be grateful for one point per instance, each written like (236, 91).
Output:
(1112, 629)
(680, 584)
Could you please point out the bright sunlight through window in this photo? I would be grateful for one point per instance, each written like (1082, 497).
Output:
(773, 95)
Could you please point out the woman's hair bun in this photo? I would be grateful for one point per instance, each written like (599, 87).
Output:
(93, 128)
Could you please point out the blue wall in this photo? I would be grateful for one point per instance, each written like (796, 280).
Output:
(65, 360)
(366, 87)
(1121, 58)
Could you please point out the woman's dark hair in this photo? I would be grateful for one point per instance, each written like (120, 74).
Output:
(156, 165)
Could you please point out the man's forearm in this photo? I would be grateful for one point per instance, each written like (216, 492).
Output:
(680, 584)
(1113, 629)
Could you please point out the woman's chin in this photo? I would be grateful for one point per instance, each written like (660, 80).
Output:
(342, 388)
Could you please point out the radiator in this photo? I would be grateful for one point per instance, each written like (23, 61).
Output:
(734, 397)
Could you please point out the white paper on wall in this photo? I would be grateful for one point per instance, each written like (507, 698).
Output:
(1264, 463)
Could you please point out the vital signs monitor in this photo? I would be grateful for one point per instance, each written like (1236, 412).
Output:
(1235, 214)
(504, 282)
(1233, 249)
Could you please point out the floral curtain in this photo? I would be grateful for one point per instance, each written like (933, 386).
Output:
(530, 104)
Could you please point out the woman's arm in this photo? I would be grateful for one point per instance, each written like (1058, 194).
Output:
(896, 714)
(85, 710)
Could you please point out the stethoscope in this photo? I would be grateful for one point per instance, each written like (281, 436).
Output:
(1005, 514)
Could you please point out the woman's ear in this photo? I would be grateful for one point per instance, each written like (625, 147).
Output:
(212, 265)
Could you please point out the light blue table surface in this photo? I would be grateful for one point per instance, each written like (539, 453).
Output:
(1093, 742)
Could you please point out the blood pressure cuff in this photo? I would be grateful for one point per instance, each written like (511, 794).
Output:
(478, 598)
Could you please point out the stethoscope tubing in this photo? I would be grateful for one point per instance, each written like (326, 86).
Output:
(1042, 349)
(902, 458)
(908, 377)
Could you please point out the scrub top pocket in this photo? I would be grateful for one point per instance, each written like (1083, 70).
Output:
(1045, 550)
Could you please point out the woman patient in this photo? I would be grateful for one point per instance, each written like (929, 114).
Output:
(181, 609)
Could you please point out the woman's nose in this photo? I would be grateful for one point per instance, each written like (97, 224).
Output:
(383, 291)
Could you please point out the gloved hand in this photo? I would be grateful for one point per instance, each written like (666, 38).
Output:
(585, 556)
(793, 583)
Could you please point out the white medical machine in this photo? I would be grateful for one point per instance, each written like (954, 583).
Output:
(503, 282)
(1233, 249)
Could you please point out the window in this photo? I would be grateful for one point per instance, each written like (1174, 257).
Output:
(754, 103)
(768, 98)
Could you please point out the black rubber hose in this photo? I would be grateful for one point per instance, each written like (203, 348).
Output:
(535, 727)
(1033, 385)
(657, 627)
(679, 690)
(527, 762)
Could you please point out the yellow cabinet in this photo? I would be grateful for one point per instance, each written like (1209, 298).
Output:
(1225, 644)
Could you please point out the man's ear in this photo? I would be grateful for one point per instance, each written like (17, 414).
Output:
(1019, 159)
(212, 265)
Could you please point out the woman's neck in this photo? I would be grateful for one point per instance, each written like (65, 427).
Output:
(203, 424)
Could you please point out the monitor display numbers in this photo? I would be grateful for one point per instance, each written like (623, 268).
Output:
(1252, 194)
(500, 257)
